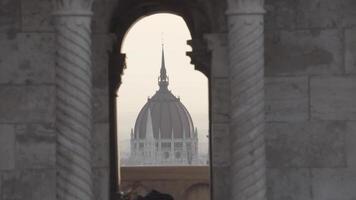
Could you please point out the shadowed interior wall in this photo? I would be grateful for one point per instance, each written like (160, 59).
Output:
(310, 49)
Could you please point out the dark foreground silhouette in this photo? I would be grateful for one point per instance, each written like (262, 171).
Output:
(155, 195)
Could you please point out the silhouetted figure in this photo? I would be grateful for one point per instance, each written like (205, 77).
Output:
(155, 195)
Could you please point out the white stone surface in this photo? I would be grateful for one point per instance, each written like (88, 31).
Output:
(220, 100)
(304, 52)
(222, 182)
(289, 183)
(7, 147)
(331, 184)
(27, 104)
(351, 144)
(306, 144)
(35, 146)
(219, 62)
(102, 10)
(29, 185)
(101, 145)
(101, 183)
(333, 98)
(287, 99)
(221, 145)
(27, 58)
(350, 50)
(102, 44)
(9, 16)
(101, 106)
(36, 15)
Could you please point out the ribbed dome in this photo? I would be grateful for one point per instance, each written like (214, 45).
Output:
(163, 114)
(168, 115)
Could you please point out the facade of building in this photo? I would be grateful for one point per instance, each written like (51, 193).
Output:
(164, 133)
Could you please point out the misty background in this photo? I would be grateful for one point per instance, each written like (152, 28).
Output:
(143, 46)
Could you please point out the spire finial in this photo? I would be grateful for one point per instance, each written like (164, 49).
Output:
(163, 78)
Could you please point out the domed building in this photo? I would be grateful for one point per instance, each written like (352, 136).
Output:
(164, 133)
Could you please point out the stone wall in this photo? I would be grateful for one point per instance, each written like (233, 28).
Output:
(27, 100)
(310, 48)
(310, 99)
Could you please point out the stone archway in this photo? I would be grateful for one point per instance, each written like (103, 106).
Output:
(128, 13)
(236, 91)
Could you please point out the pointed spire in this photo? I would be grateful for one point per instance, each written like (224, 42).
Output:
(163, 78)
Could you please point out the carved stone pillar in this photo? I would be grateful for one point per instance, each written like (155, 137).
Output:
(246, 65)
(74, 99)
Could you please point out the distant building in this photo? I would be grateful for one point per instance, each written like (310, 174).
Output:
(164, 133)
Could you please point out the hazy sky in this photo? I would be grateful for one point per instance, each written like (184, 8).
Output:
(142, 46)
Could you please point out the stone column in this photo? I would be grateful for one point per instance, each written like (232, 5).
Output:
(246, 69)
(74, 99)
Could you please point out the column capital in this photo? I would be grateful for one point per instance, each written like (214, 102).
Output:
(72, 7)
(245, 7)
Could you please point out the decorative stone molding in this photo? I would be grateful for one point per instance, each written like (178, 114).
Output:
(74, 99)
(200, 56)
(246, 61)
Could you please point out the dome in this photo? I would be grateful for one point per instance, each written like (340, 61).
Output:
(169, 117)
(163, 116)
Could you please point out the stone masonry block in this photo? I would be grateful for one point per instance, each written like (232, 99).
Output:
(7, 147)
(103, 11)
(351, 144)
(333, 98)
(325, 14)
(304, 52)
(101, 106)
(331, 184)
(286, 99)
(29, 185)
(319, 13)
(27, 58)
(289, 183)
(220, 100)
(100, 47)
(348, 14)
(306, 144)
(35, 146)
(218, 45)
(280, 14)
(222, 182)
(9, 16)
(37, 15)
(101, 183)
(350, 50)
(1, 186)
(27, 104)
(101, 145)
(221, 145)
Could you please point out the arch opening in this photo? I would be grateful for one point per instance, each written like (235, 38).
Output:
(143, 61)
